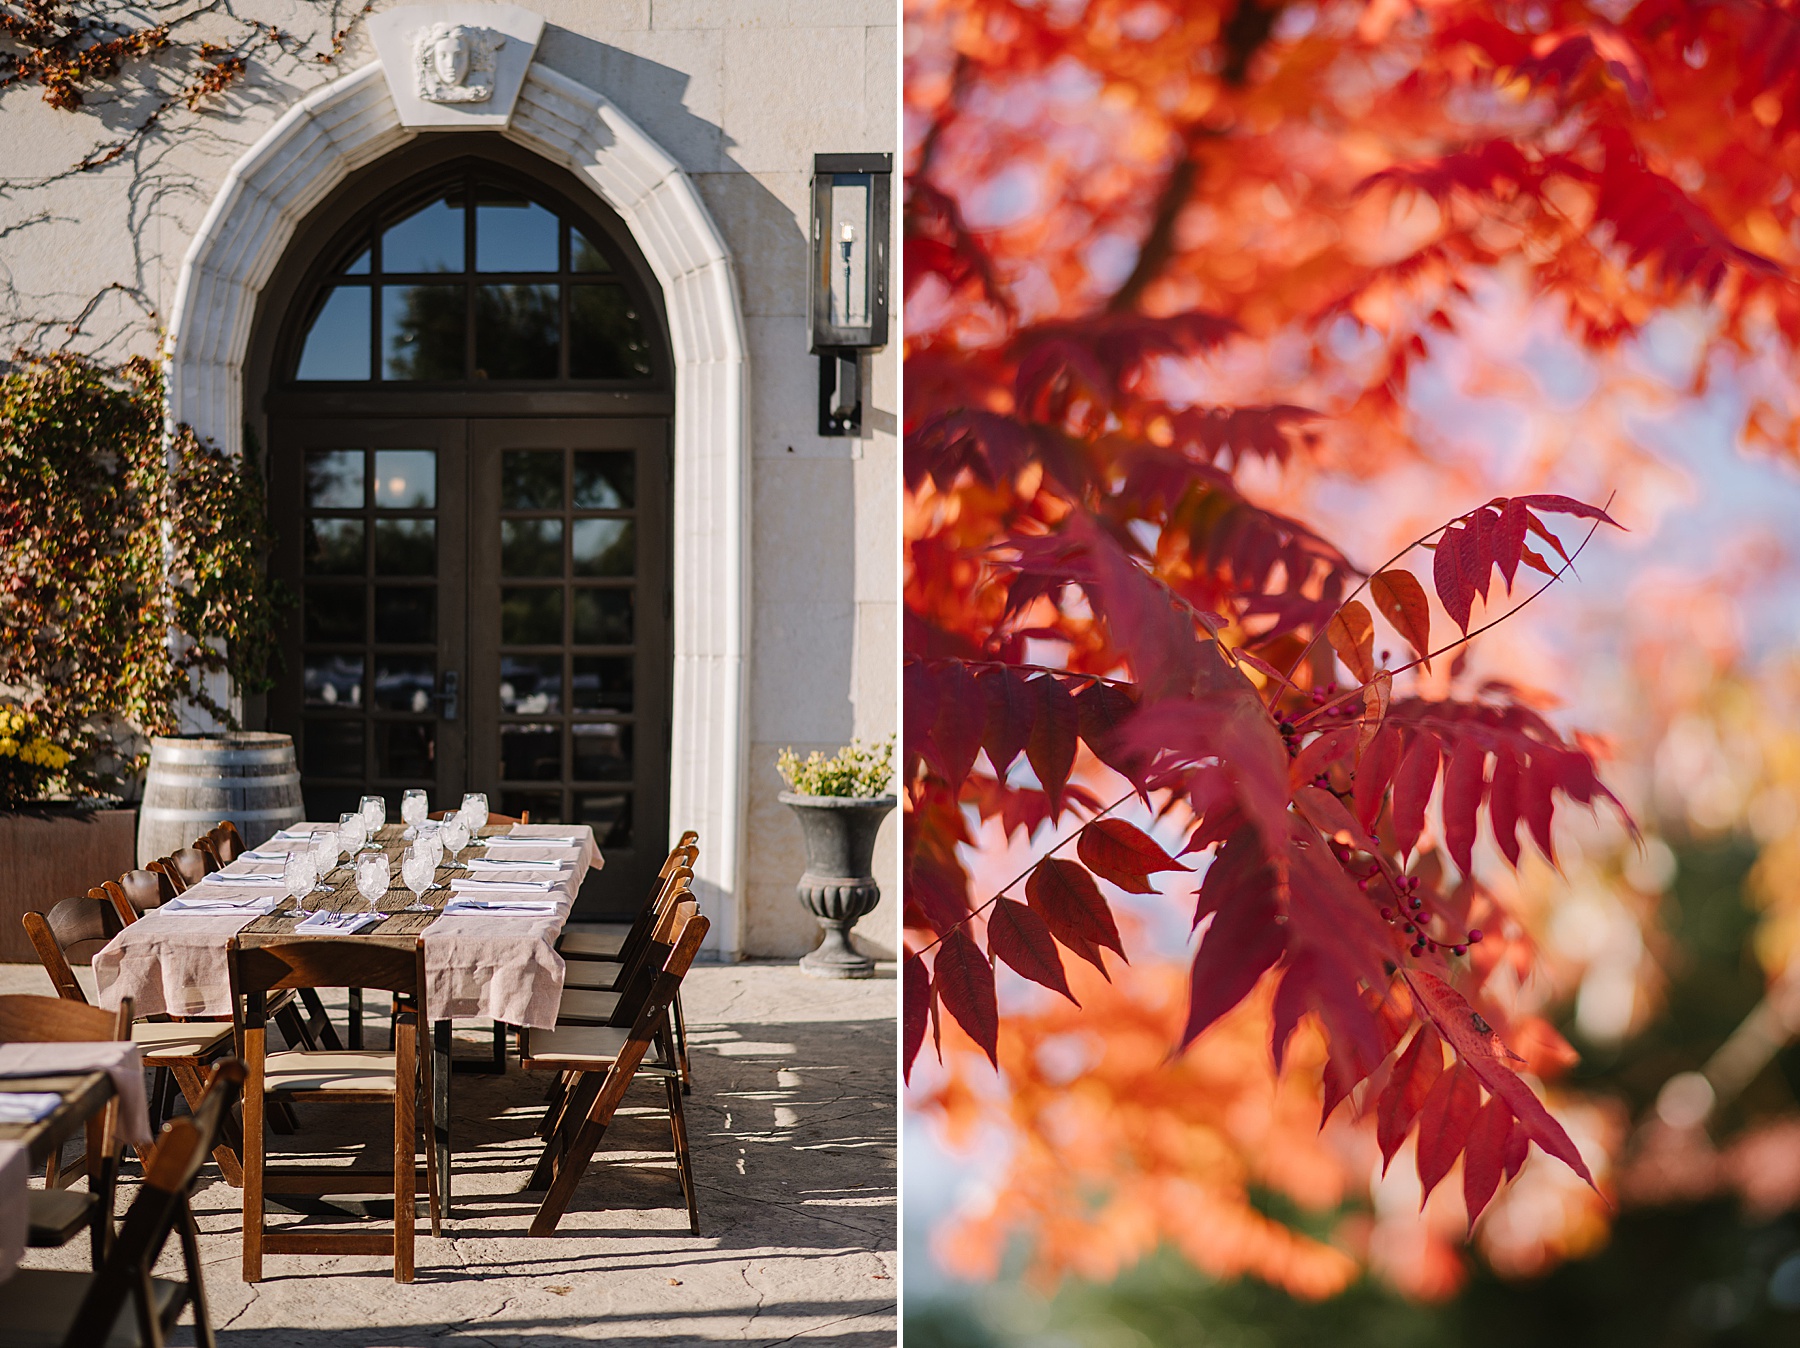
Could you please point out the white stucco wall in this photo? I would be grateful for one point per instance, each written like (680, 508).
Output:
(742, 94)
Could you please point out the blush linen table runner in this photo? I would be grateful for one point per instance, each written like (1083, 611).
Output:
(493, 964)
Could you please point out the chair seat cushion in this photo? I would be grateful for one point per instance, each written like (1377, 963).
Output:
(583, 1048)
(175, 1039)
(591, 945)
(326, 1070)
(581, 1007)
(56, 1215)
(591, 975)
(38, 1305)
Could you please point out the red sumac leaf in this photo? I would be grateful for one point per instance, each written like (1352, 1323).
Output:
(1503, 803)
(1402, 602)
(1464, 781)
(965, 986)
(1537, 526)
(1450, 575)
(1568, 505)
(1351, 633)
(1244, 940)
(1477, 1045)
(1022, 939)
(1321, 754)
(1290, 1005)
(1326, 813)
(1536, 783)
(1509, 540)
(956, 730)
(1117, 851)
(1375, 772)
(1479, 550)
(1051, 744)
(1010, 708)
(1414, 1075)
(1101, 710)
(915, 1009)
(1412, 788)
(1485, 1155)
(1067, 898)
(1444, 1121)
(1518, 1147)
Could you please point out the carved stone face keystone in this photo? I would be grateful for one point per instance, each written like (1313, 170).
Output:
(454, 63)
(450, 56)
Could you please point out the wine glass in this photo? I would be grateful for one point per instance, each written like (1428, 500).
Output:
(373, 875)
(373, 810)
(455, 834)
(414, 806)
(299, 871)
(431, 840)
(352, 832)
(474, 811)
(416, 872)
(324, 849)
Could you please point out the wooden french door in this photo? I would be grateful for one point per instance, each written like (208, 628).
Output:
(483, 605)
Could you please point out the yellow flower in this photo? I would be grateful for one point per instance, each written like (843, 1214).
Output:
(8, 746)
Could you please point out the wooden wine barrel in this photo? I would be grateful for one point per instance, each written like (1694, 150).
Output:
(197, 780)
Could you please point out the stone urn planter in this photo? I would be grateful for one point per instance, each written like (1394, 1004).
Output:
(837, 886)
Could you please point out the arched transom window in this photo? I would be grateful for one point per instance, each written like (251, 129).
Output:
(473, 280)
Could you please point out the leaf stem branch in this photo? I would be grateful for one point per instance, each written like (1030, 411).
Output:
(1000, 893)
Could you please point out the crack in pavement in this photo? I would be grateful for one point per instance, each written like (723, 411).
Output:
(830, 1324)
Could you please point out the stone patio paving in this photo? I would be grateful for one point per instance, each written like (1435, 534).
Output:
(792, 1121)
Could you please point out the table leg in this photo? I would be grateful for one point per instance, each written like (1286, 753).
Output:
(440, 1108)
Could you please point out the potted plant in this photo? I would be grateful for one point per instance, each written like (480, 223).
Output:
(133, 604)
(840, 802)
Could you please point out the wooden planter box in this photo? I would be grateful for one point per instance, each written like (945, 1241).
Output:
(49, 854)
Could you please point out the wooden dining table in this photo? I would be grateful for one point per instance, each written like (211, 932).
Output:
(478, 965)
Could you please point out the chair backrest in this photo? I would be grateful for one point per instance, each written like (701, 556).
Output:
(326, 962)
(644, 925)
(186, 868)
(222, 842)
(160, 1204)
(70, 933)
(28, 1018)
(136, 892)
(639, 972)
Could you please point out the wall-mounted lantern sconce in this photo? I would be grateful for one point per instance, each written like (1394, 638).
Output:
(849, 278)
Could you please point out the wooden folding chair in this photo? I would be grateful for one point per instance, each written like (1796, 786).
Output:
(601, 1005)
(395, 1078)
(611, 947)
(70, 933)
(83, 1310)
(185, 868)
(600, 974)
(135, 893)
(605, 1059)
(56, 1213)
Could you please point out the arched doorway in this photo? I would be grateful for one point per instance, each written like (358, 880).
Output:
(467, 395)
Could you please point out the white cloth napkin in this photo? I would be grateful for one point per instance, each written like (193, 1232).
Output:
(222, 903)
(503, 886)
(27, 1106)
(505, 907)
(517, 864)
(337, 924)
(570, 838)
(252, 878)
(267, 854)
(300, 834)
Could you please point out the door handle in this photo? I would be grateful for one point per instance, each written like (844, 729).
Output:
(446, 694)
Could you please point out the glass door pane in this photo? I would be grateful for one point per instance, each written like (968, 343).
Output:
(570, 666)
(375, 540)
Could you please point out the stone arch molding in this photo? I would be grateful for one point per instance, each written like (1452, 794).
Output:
(354, 121)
